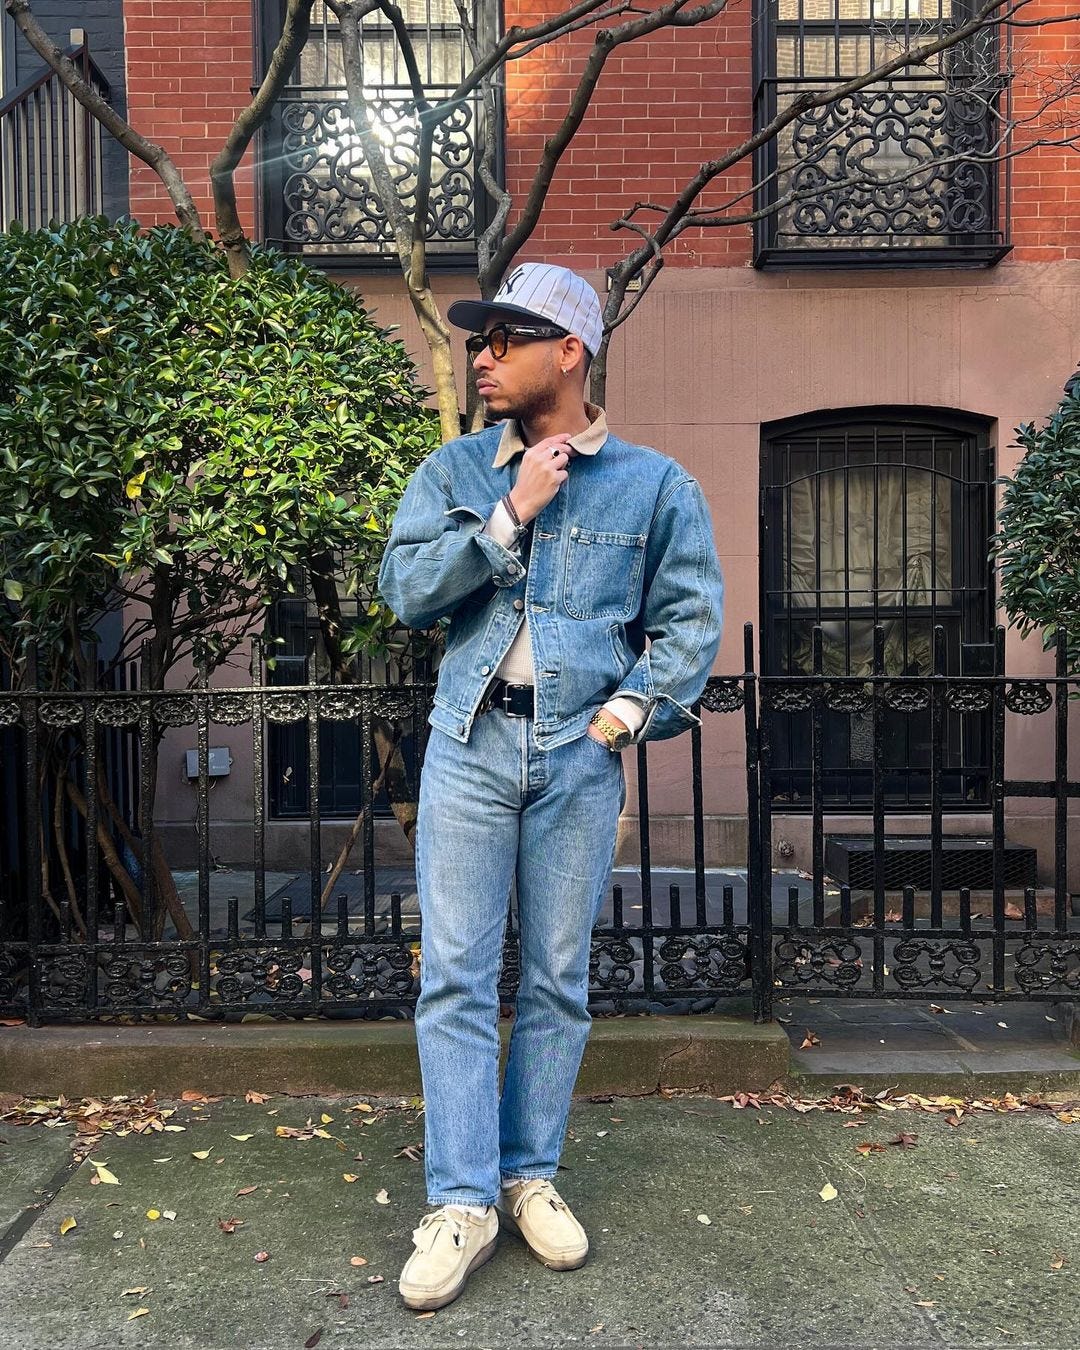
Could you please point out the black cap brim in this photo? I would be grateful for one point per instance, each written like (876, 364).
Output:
(473, 314)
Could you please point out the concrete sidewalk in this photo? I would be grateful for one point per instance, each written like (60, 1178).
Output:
(707, 1224)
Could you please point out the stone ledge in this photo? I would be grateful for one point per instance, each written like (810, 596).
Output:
(626, 1056)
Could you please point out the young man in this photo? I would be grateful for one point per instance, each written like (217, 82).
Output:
(555, 548)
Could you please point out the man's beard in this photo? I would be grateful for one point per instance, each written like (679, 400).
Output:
(529, 404)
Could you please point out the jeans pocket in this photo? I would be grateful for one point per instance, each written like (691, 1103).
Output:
(598, 745)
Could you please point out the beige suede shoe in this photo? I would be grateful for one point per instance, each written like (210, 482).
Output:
(450, 1244)
(537, 1212)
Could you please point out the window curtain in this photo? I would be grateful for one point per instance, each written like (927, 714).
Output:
(831, 537)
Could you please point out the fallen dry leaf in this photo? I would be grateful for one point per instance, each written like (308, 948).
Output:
(828, 1191)
(810, 1040)
(1057, 1260)
(349, 1176)
(67, 1225)
(241, 1138)
(904, 1139)
(423, 1317)
(383, 1197)
(262, 1256)
(202, 1153)
(357, 1260)
(704, 1218)
(247, 1190)
(313, 1340)
(374, 1279)
(257, 1097)
(230, 1225)
(139, 1312)
(868, 1147)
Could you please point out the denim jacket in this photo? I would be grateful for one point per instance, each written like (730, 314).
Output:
(623, 551)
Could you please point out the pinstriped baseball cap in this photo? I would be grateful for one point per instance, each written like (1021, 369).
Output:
(539, 291)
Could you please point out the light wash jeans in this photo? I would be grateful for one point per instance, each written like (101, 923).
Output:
(491, 810)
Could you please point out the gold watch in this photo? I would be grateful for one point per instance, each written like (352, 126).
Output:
(618, 738)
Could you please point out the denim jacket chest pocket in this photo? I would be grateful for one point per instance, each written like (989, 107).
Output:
(602, 574)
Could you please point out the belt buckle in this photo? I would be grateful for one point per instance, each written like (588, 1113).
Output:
(506, 702)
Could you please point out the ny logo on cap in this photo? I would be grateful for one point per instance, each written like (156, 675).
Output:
(512, 280)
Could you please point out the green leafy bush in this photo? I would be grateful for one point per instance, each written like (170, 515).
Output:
(1038, 539)
(178, 442)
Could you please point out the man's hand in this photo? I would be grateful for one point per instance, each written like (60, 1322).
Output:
(598, 735)
(541, 475)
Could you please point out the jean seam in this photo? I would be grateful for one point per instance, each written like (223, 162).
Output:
(459, 1200)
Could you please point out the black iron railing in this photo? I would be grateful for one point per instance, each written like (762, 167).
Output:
(94, 937)
(51, 148)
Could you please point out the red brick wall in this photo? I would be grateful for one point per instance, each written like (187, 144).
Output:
(664, 104)
(1046, 179)
(189, 72)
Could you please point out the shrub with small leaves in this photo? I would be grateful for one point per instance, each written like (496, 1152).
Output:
(184, 440)
(1038, 540)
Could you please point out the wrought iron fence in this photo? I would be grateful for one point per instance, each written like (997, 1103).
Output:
(89, 936)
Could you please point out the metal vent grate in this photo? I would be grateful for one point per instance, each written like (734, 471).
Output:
(966, 860)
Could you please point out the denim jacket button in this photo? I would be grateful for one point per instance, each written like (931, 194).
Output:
(519, 604)
(485, 670)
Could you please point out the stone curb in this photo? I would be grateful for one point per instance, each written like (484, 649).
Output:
(625, 1057)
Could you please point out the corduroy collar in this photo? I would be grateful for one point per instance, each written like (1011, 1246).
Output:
(587, 442)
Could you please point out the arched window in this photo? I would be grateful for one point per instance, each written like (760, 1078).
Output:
(878, 516)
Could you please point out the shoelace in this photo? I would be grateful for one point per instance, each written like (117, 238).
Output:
(541, 1187)
(431, 1225)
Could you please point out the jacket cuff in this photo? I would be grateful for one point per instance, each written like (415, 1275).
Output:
(627, 710)
(506, 567)
(501, 527)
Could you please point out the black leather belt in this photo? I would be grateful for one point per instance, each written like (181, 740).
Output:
(516, 700)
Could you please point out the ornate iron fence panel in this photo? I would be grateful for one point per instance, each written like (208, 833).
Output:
(96, 924)
(903, 933)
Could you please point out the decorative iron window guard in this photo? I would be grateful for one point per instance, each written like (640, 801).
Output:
(316, 193)
(901, 174)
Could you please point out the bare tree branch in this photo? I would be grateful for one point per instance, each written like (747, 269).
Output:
(410, 234)
(154, 155)
(605, 43)
(293, 36)
(408, 51)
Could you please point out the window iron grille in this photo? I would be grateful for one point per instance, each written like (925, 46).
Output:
(877, 521)
(905, 172)
(316, 191)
